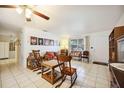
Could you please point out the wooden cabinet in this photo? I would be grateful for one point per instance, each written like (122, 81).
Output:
(116, 75)
(113, 79)
(116, 34)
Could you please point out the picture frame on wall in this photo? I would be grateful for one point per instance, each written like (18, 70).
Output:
(40, 41)
(46, 42)
(56, 43)
(51, 42)
(33, 40)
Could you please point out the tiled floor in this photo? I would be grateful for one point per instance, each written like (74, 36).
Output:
(89, 76)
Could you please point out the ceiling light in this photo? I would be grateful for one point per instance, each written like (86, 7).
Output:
(28, 13)
(19, 10)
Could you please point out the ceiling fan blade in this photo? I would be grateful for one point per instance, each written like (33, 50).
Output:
(7, 6)
(41, 15)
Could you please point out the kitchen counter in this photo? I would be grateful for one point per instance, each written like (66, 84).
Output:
(119, 66)
(117, 75)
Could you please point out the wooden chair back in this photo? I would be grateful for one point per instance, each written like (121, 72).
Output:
(64, 52)
(66, 60)
(36, 53)
(66, 69)
(86, 53)
(37, 56)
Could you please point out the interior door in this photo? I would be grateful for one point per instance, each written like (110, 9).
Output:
(6, 50)
(99, 50)
(1, 49)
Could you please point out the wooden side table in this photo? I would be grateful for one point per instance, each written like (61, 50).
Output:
(52, 75)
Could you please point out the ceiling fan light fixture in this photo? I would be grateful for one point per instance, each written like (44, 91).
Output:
(27, 10)
(19, 10)
(28, 19)
(28, 13)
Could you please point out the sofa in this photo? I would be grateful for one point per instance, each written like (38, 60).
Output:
(50, 55)
(76, 54)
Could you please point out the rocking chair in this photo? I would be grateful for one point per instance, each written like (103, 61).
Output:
(66, 69)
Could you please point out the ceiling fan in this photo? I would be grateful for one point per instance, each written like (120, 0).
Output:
(27, 9)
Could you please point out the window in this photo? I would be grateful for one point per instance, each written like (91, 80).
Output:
(76, 44)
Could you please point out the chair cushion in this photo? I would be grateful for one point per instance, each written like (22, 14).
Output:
(85, 56)
(50, 55)
(75, 53)
(67, 71)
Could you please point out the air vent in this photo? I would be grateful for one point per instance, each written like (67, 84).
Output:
(45, 31)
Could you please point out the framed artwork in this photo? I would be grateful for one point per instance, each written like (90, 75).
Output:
(56, 43)
(40, 41)
(51, 42)
(33, 40)
(46, 42)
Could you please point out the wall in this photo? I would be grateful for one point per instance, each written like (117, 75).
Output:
(81, 37)
(6, 37)
(100, 44)
(64, 42)
(26, 48)
(121, 21)
(87, 43)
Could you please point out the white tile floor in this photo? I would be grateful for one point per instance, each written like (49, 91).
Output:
(90, 75)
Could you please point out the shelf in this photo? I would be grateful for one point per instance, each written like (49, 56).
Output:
(47, 76)
(112, 47)
(111, 39)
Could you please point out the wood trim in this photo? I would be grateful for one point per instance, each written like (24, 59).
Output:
(7, 6)
(41, 15)
(100, 63)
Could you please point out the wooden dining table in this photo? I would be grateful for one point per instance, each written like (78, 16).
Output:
(53, 74)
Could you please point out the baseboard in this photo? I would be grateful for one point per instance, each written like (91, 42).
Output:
(100, 63)
(3, 58)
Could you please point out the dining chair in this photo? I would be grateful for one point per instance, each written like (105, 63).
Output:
(66, 69)
(85, 55)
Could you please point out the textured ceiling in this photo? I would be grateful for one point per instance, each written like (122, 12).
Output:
(65, 20)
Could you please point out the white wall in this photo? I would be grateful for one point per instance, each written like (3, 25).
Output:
(26, 48)
(100, 44)
(64, 42)
(4, 50)
(11, 54)
(5, 36)
(120, 21)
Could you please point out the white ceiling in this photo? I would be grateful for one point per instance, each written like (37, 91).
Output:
(65, 20)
